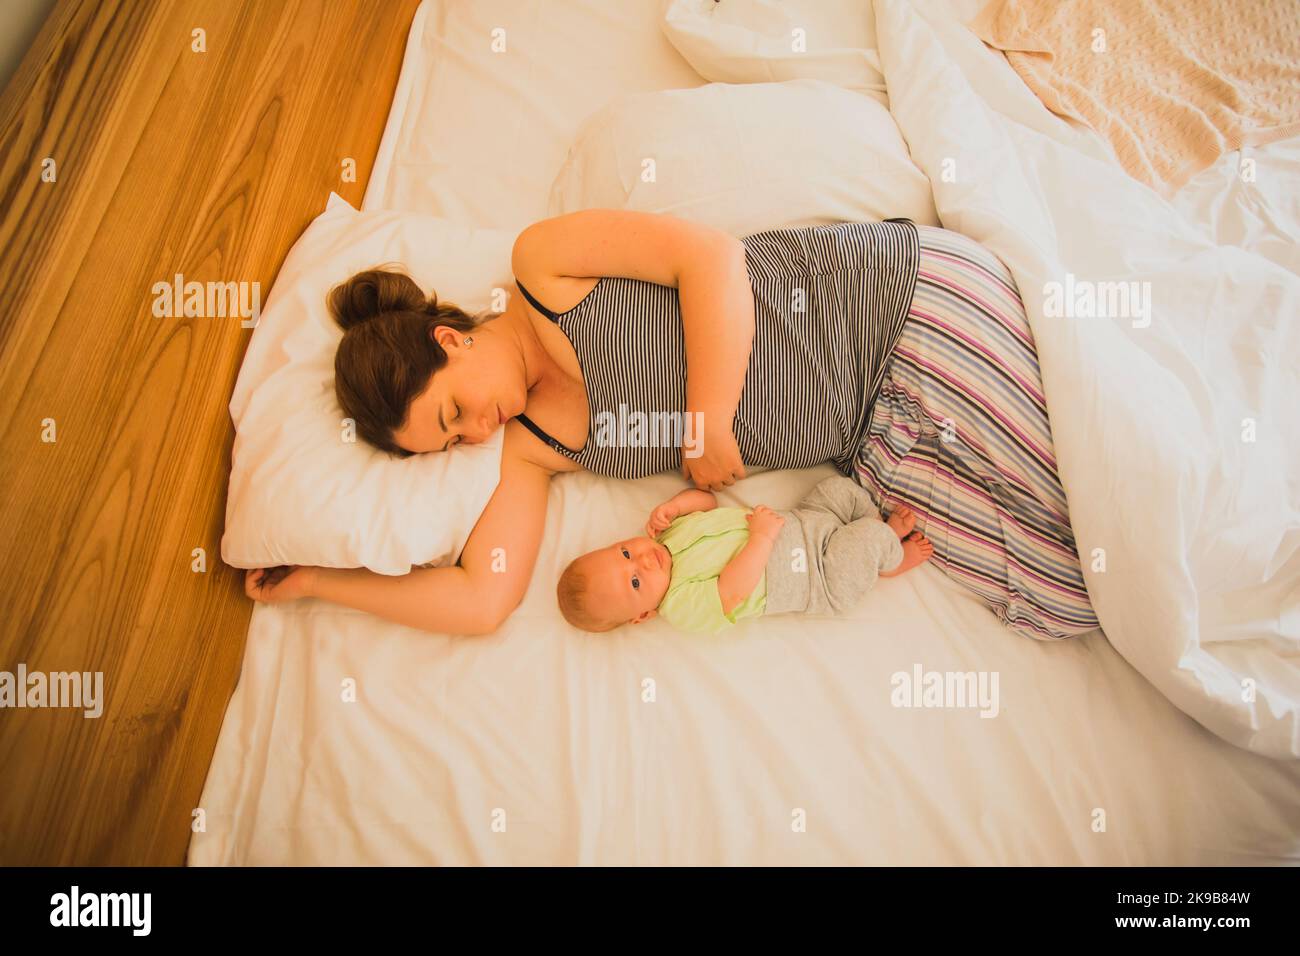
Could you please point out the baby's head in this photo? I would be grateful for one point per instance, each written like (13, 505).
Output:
(621, 584)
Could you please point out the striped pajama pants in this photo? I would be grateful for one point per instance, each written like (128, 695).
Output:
(959, 433)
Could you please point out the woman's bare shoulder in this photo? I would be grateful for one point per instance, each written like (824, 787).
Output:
(591, 243)
(557, 292)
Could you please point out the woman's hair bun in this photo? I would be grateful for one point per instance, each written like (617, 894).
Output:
(374, 292)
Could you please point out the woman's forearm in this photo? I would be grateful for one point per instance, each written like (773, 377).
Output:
(431, 599)
(476, 595)
(717, 303)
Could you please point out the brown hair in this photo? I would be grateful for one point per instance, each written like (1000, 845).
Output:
(388, 353)
(571, 592)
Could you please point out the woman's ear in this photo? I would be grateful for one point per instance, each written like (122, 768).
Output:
(447, 337)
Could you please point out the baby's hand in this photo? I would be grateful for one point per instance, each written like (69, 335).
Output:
(765, 522)
(660, 519)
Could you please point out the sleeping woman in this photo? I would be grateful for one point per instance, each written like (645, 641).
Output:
(899, 353)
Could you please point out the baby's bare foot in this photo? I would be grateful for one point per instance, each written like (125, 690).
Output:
(917, 549)
(902, 521)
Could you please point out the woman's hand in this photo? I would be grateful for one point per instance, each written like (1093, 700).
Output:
(286, 582)
(719, 463)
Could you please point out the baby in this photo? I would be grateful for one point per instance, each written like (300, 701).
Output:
(712, 567)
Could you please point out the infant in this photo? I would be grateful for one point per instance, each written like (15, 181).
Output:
(711, 567)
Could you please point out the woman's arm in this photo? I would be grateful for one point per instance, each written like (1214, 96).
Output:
(717, 304)
(483, 589)
(708, 268)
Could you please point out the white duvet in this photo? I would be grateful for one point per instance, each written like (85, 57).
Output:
(1176, 423)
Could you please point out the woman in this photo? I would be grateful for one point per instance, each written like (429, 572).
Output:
(899, 353)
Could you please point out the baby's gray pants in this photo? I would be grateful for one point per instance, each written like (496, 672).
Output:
(830, 551)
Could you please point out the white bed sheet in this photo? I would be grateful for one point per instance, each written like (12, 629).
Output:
(541, 745)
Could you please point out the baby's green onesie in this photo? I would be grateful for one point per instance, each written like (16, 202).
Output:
(702, 543)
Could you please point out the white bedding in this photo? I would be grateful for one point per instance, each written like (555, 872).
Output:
(541, 745)
(1174, 425)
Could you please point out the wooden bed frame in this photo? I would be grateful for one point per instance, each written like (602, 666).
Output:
(165, 159)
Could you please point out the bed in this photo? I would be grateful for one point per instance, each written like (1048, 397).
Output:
(785, 743)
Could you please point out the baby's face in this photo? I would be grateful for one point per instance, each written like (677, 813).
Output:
(630, 577)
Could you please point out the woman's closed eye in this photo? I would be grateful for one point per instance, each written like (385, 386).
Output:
(455, 418)
(444, 425)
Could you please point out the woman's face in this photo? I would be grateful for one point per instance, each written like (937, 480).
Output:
(479, 389)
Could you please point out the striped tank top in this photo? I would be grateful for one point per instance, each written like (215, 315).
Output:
(829, 303)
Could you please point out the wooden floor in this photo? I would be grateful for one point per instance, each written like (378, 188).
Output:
(166, 161)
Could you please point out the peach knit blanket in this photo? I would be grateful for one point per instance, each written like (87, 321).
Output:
(1171, 85)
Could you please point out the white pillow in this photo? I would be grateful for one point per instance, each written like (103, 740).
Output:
(765, 41)
(745, 158)
(299, 493)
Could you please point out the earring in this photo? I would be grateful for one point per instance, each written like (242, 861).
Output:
(469, 342)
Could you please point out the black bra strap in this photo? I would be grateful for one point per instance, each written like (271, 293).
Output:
(528, 423)
(536, 305)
